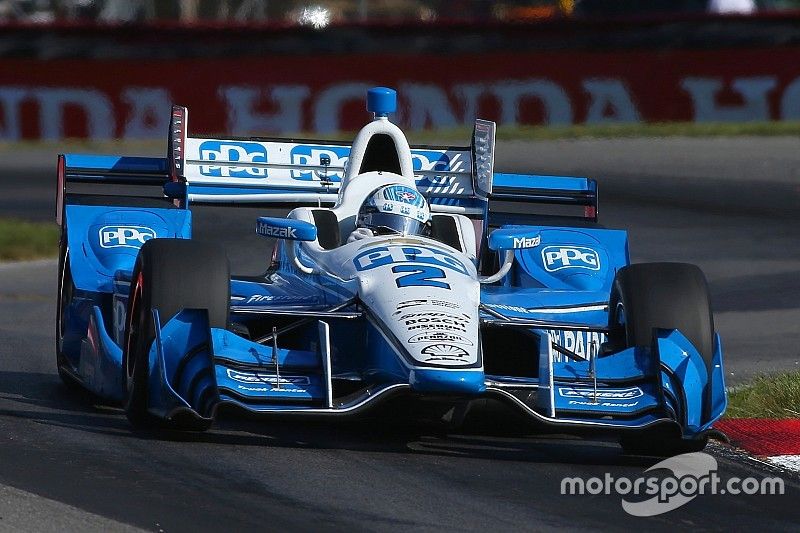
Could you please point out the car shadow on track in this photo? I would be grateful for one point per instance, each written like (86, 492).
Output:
(489, 433)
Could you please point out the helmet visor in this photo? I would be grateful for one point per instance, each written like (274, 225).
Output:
(391, 223)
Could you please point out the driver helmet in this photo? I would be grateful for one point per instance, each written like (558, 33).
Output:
(395, 210)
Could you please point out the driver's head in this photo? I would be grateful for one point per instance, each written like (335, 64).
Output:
(395, 210)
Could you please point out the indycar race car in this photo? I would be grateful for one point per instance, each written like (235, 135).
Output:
(507, 289)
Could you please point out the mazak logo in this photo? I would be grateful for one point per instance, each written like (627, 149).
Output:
(560, 257)
(233, 159)
(525, 242)
(313, 156)
(277, 232)
(125, 236)
(602, 394)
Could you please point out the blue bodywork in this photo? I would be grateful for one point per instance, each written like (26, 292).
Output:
(553, 300)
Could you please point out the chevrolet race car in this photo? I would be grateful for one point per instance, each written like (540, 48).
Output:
(542, 312)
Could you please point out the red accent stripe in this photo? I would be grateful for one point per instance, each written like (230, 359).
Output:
(763, 436)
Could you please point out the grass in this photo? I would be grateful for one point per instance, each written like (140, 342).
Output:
(767, 397)
(21, 240)
(462, 134)
(618, 131)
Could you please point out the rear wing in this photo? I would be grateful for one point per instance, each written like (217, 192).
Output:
(292, 172)
(143, 172)
(262, 170)
(523, 199)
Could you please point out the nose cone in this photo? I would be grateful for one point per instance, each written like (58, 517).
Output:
(448, 381)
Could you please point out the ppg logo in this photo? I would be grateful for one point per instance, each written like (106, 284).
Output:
(230, 153)
(560, 257)
(428, 160)
(310, 155)
(125, 236)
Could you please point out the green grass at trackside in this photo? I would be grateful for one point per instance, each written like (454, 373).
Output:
(767, 397)
(612, 131)
(461, 135)
(21, 240)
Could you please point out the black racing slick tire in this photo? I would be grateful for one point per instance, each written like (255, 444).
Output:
(666, 296)
(169, 275)
(66, 290)
(661, 295)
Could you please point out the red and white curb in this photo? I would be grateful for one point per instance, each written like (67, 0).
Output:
(776, 441)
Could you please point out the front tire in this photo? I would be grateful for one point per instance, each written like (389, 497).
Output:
(169, 275)
(652, 296)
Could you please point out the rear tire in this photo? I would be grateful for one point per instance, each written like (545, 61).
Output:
(66, 290)
(169, 275)
(666, 296)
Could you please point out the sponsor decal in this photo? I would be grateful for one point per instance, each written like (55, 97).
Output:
(602, 394)
(611, 398)
(444, 352)
(513, 308)
(437, 303)
(233, 152)
(429, 160)
(258, 298)
(579, 342)
(313, 155)
(436, 320)
(276, 231)
(526, 242)
(440, 336)
(561, 257)
(387, 255)
(125, 236)
(267, 378)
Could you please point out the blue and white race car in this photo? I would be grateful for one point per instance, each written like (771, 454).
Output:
(414, 274)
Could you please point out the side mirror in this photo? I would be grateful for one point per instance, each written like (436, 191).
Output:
(286, 228)
(507, 240)
(514, 239)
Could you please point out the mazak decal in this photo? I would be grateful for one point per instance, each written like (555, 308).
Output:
(232, 152)
(314, 155)
(444, 352)
(276, 231)
(440, 336)
(125, 236)
(526, 242)
(387, 255)
(559, 257)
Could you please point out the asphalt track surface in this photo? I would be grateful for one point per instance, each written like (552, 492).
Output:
(69, 463)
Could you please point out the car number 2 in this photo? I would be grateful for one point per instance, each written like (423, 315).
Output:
(420, 276)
